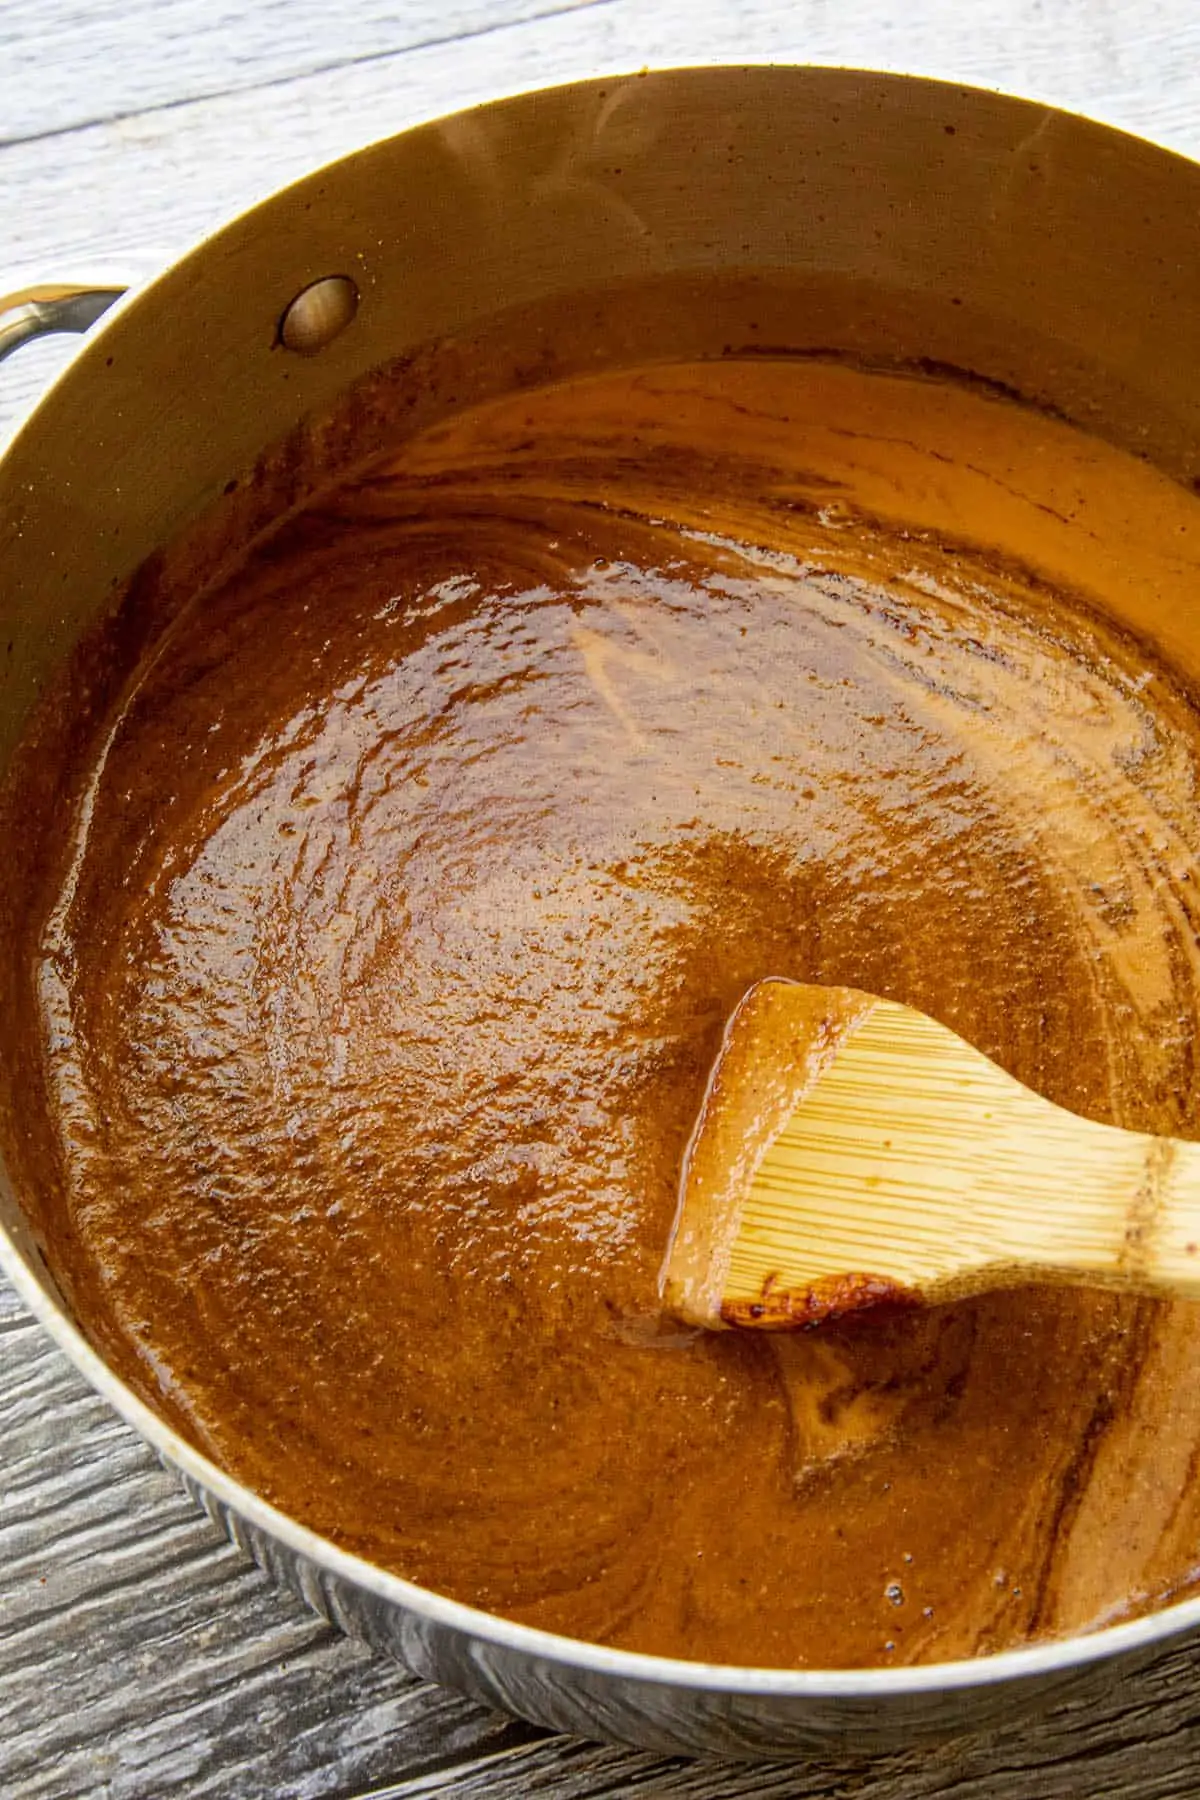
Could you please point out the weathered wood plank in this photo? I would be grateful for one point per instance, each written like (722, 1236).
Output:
(155, 1662)
(139, 1654)
(74, 63)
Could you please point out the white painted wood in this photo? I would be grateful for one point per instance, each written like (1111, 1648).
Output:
(73, 63)
(152, 183)
(140, 1656)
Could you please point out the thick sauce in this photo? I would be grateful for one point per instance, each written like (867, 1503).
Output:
(413, 879)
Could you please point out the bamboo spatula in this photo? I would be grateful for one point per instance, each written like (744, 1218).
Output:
(851, 1151)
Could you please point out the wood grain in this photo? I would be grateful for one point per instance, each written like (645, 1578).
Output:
(135, 191)
(75, 63)
(139, 1654)
(899, 1149)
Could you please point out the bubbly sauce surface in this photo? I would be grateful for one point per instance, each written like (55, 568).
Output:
(413, 879)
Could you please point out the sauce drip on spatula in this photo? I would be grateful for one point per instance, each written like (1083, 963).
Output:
(412, 877)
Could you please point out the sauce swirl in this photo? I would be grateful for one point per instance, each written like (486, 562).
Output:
(413, 878)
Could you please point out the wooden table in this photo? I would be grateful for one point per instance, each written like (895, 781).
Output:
(140, 1655)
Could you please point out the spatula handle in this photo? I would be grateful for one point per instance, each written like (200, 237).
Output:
(1162, 1234)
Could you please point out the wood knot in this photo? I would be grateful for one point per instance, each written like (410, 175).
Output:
(1146, 1206)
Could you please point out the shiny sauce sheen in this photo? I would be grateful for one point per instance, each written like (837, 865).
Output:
(413, 878)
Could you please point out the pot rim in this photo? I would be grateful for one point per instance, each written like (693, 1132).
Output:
(1058, 1656)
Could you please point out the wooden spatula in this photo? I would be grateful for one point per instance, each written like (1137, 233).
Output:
(851, 1151)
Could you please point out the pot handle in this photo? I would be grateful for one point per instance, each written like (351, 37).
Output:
(34, 311)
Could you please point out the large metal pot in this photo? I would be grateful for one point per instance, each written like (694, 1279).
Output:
(1028, 247)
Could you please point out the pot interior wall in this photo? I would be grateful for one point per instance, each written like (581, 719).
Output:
(915, 220)
(695, 214)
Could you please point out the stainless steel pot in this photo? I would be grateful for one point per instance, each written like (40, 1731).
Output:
(1030, 248)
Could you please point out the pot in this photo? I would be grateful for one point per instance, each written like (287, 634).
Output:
(1037, 251)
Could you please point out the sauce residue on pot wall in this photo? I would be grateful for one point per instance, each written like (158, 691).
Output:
(414, 875)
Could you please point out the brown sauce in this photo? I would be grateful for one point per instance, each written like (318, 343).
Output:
(413, 877)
